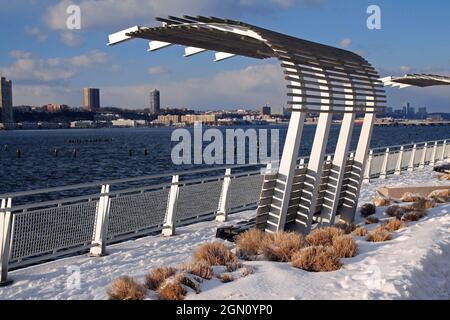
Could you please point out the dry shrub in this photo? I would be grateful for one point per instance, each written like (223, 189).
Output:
(323, 236)
(188, 282)
(126, 288)
(360, 232)
(172, 290)
(316, 259)
(248, 243)
(443, 194)
(395, 211)
(346, 227)
(414, 215)
(232, 266)
(394, 225)
(367, 209)
(380, 201)
(247, 270)
(423, 204)
(157, 276)
(214, 254)
(281, 246)
(199, 269)
(444, 177)
(226, 277)
(410, 197)
(344, 246)
(380, 234)
(437, 199)
(371, 220)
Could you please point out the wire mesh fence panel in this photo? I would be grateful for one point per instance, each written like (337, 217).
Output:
(137, 212)
(198, 199)
(245, 191)
(46, 230)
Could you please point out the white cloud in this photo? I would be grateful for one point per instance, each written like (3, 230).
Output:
(116, 68)
(157, 70)
(405, 68)
(19, 54)
(346, 43)
(70, 38)
(37, 33)
(90, 59)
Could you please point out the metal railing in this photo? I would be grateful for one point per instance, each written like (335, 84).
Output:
(77, 219)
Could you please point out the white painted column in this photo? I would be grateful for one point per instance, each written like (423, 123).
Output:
(172, 206)
(413, 156)
(5, 240)
(444, 145)
(337, 172)
(368, 167)
(433, 154)
(384, 166)
(98, 248)
(311, 186)
(222, 212)
(423, 157)
(398, 167)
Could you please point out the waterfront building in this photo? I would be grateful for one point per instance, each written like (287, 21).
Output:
(265, 111)
(204, 118)
(168, 120)
(155, 102)
(91, 99)
(6, 101)
(55, 107)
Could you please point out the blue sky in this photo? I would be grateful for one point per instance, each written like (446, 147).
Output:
(50, 64)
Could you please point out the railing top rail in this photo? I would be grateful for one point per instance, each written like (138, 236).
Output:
(168, 174)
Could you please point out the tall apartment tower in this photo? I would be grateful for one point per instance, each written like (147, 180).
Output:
(6, 101)
(155, 102)
(91, 99)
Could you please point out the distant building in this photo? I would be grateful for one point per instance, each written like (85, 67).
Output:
(410, 111)
(204, 118)
(91, 99)
(422, 113)
(435, 117)
(6, 101)
(265, 111)
(168, 120)
(155, 102)
(55, 107)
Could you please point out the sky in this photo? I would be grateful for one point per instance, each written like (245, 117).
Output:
(48, 63)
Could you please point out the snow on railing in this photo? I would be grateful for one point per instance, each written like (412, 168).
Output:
(40, 225)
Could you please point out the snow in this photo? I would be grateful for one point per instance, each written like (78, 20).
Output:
(415, 264)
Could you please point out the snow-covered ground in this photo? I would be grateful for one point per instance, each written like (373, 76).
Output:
(415, 264)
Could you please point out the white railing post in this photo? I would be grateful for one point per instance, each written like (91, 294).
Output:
(433, 155)
(398, 167)
(172, 203)
(101, 228)
(222, 211)
(444, 145)
(413, 156)
(424, 156)
(383, 171)
(5, 240)
(368, 166)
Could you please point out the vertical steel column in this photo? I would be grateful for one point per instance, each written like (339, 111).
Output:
(423, 156)
(433, 155)
(101, 229)
(222, 212)
(172, 206)
(384, 166)
(413, 158)
(5, 240)
(444, 145)
(398, 166)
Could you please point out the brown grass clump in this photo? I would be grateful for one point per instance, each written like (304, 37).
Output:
(371, 220)
(316, 259)
(410, 197)
(281, 246)
(226, 277)
(188, 282)
(346, 227)
(360, 232)
(444, 177)
(126, 288)
(380, 234)
(395, 211)
(248, 244)
(157, 276)
(443, 194)
(394, 225)
(323, 236)
(172, 290)
(367, 209)
(199, 269)
(380, 201)
(414, 215)
(247, 270)
(214, 254)
(344, 246)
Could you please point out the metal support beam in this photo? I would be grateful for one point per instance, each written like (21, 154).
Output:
(412, 159)
(398, 166)
(433, 154)
(172, 206)
(222, 212)
(444, 145)
(423, 156)
(101, 229)
(191, 51)
(5, 240)
(384, 166)
(219, 56)
(156, 45)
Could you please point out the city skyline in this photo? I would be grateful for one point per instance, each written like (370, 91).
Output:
(50, 64)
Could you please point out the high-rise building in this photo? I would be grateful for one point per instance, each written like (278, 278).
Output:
(422, 113)
(91, 99)
(265, 111)
(6, 101)
(155, 102)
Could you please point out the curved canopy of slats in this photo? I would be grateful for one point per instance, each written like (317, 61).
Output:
(320, 78)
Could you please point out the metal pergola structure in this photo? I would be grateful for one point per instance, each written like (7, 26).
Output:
(321, 79)
(417, 80)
